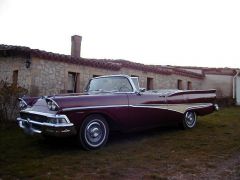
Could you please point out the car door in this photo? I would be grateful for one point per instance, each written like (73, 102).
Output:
(146, 110)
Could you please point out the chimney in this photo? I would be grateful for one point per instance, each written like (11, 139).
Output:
(76, 46)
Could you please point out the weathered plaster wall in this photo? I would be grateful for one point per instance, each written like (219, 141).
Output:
(222, 83)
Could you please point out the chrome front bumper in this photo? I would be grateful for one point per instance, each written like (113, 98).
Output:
(59, 130)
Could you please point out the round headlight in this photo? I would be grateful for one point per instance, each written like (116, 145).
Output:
(53, 107)
(49, 103)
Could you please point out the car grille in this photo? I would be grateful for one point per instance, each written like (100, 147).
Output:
(33, 117)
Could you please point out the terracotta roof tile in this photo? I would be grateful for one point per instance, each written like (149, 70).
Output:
(187, 73)
(210, 70)
(61, 57)
(143, 67)
(99, 63)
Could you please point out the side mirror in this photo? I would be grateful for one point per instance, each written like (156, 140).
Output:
(142, 89)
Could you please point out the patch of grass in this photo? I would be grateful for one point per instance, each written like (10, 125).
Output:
(154, 154)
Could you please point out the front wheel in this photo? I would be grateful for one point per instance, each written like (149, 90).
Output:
(94, 132)
(189, 120)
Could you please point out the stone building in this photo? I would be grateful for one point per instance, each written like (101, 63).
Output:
(47, 73)
(224, 80)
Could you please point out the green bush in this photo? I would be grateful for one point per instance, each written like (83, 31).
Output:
(9, 94)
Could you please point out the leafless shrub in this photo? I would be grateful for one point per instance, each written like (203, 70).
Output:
(9, 94)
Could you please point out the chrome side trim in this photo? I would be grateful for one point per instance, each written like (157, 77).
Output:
(93, 107)
(200, 106)
(156, 106)
(179, 108)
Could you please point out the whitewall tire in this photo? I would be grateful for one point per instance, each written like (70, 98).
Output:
(189, 120)
(94, 132)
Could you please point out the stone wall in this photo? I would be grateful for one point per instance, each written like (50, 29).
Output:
(10, 64)
(161, 81)
(51, 77)
(47, 77)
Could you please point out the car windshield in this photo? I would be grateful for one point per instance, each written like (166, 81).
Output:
(109, 84)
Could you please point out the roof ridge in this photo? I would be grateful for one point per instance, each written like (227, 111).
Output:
(99, 63)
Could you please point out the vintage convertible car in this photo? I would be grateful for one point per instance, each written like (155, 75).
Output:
(112, 103)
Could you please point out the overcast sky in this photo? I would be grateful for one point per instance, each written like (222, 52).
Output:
(164, 32)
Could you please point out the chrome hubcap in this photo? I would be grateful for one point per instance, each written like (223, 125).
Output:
(95, 133)
(190, 119)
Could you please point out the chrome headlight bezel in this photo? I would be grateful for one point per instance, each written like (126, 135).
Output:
(56, 120)
(22, 104)
(52, 105)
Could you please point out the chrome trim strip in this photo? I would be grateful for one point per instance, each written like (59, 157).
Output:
(200, 106)
(24, 102)
(183, 91)
(113, 93)
(120, 75)
(156, 106)
(195, 104)
(48, 115)
(21, 99)
(93, 107)
(45, 124)
(39, 113)
(32, 129)
(168, 106)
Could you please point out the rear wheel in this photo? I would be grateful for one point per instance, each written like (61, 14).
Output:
(94, 132)
(189, 120)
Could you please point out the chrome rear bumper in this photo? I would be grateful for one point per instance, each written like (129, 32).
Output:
(216, 107)
(59, 130)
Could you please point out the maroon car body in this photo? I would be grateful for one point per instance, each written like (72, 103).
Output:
(118, 105)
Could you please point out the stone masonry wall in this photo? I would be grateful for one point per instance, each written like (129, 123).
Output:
(50, 77)
(10, 64)
(47, 77)
(161, 81)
